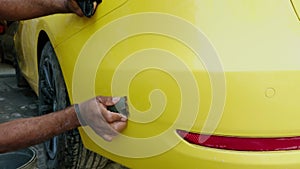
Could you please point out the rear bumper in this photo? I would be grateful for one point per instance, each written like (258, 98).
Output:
(189, 156)
(186, 155)
(250, 111)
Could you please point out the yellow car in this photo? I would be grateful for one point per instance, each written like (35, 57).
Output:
(210, 83)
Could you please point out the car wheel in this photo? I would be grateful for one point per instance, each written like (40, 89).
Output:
(65, 150)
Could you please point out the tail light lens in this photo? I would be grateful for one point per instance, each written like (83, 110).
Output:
(241, 143)
(2, 29)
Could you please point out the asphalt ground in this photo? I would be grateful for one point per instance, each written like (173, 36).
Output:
(16, 102)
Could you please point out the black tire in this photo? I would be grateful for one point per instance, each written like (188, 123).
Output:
(65, 150)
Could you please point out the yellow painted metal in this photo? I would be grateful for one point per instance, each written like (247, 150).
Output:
(296, 5)
(166, 80)
(58, 28)
(26, 47)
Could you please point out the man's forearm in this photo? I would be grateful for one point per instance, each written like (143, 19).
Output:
(27, 9)
(22, 133)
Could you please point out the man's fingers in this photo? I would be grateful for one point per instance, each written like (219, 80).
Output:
(114, 129)
(95, 5)
(119, 126)
(113, 117)
(106, 135)
(104, 129)
(108, 101)
(105, 123)
(73, 6)
(107, 138)
(108, 115)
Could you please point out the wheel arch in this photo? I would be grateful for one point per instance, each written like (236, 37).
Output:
(42, 40)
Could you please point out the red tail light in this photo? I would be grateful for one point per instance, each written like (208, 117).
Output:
(241, 143)
(1, 29)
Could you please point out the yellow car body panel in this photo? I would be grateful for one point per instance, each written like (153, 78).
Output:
(27, 36)
(132, 51)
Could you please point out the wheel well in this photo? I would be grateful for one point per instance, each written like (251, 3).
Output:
(43, 39)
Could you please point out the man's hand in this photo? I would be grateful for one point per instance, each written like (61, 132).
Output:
(73, 6)
(105, 123)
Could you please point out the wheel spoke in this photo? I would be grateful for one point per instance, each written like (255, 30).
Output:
(47, 78)
(47, 94)
(47, 81)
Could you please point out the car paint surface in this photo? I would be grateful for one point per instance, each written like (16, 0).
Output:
(249, 87)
